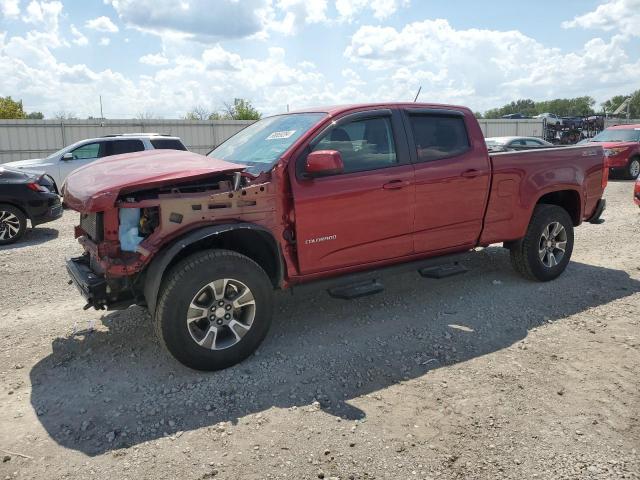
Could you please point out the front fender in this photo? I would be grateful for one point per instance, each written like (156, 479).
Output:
(154, 273)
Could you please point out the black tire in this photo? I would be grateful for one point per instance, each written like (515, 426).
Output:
(7, 227)
(525, 253)
(183, 282)
(633, 168)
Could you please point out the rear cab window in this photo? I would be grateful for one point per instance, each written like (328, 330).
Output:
(167, 144)
(438, 136)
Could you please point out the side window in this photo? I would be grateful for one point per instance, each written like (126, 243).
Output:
(90, 150)
(364, 144)
(167, 144)
(116, 147)
(438, 136)
(532, 143)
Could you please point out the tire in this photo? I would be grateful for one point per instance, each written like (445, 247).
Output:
(531, 256)
(13, 224)
(633, 168)
(213, 282)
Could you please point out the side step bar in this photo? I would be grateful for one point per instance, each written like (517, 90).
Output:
(360, 284)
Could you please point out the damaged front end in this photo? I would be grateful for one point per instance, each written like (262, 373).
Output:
(120, 240)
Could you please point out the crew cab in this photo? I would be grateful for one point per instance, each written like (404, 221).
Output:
(333, 198)
(621, 145)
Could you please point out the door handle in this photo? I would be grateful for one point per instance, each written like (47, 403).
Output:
(396, 184)
(471, 173)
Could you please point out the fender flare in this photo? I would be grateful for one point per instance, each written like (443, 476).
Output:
(156, 270)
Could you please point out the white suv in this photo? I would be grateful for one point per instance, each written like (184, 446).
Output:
(61, 163)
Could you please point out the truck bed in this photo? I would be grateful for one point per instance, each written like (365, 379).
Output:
(521, 178)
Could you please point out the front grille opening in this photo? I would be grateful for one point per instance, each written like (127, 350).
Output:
(93, 225)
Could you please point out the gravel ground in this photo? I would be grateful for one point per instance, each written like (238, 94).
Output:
(479, 376)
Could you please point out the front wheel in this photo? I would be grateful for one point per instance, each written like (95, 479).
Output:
(633, 168)
(545, 250)
(214, 310)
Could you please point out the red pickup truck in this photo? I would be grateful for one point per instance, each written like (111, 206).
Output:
(332, 198)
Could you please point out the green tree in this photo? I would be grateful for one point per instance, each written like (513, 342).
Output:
(198, 113)
(35, 116)
(241, 110)
(10, 108)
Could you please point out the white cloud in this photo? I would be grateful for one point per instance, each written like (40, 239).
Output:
(486, 68)
(154, 59)
(349, 9)
(78, 37)
(104, 41)
(620, 16)
(10, 8)
(102, 24)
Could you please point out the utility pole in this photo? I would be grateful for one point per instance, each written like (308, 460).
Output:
(101, 114)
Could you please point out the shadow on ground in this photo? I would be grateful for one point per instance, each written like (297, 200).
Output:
(33, 236)
(111, 389)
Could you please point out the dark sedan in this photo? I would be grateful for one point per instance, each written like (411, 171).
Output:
(25, 196)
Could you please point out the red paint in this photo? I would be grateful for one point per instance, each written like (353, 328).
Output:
(95, 187)
(636, 193)
(355, 221)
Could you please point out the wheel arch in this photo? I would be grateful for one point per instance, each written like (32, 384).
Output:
(18, 206)
(253, 241)
(569, 199)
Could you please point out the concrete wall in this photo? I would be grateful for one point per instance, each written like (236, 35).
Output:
(23, 139)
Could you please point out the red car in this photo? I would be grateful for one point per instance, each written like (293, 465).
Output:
(332, 198)
(636, 193)
(622, 147)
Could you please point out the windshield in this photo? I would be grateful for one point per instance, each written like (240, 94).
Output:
(261, 144)
(618, 135)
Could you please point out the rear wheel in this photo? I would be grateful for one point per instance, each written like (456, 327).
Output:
(215, 309)
(633, 168)
(13, 224)
(545, 251)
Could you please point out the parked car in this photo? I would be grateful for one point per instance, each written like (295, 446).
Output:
(553, 120)
(331, 198)
(572, 122)
(25, 196)
(61, 163)
(622, 147)
(515, 116)
(497, 144)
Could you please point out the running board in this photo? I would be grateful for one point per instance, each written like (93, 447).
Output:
(356, 290)
(443, 271)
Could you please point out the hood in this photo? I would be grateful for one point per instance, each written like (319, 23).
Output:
(13, 175)
(28, 164)
(96, 186)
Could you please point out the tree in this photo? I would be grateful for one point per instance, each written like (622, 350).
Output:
(64, 115)
(565, 107)
(35, 116)
(10, 108)
(241, 110)
(198, 113)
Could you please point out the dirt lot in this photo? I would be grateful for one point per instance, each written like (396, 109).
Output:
(484, 375)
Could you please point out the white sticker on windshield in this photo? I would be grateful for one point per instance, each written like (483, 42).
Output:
(280, 135)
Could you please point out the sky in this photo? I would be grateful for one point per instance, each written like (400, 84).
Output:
(161, 58)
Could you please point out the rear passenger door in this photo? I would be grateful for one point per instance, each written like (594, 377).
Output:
(452, 175)
(118, 147)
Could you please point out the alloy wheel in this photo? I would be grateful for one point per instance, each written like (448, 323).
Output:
(221, 313)
(9, 225)
(552, 245)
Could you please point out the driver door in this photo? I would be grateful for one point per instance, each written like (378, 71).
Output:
(364, 214)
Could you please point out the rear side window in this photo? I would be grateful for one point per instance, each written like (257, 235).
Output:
(167, 144)
(438, 136)
(116, 147)
(363, 144)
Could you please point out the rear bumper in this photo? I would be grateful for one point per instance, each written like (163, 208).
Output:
(597, 213)
(47, 210)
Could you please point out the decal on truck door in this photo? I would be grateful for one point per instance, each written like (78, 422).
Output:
(326, 238)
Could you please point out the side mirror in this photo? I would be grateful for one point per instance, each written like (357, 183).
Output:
(324, 162)
(67, 156)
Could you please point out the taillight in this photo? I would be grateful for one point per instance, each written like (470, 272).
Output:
(605, 173)
(36, 187)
